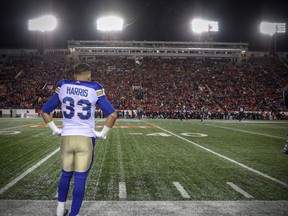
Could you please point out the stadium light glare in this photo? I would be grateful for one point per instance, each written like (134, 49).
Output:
(44, 23)
(272, 28)
(200, 25)
(110, 23)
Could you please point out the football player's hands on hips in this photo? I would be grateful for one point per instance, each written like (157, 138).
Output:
(103, 133)
(55, 130)
(99, 135)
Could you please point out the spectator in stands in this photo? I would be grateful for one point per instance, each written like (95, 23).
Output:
(202, 113)
(241, 113)
(157, 85)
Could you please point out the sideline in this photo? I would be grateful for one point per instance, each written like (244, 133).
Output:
(148, 208)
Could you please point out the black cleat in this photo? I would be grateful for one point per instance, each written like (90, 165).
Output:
(285, 149)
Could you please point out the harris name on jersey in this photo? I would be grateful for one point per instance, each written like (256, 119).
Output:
(71, 88)
(77, 91)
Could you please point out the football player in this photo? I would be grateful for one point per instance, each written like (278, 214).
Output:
(241, 113)
(78, 99)
(202, 113)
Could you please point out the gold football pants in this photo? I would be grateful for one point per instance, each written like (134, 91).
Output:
(76, 153)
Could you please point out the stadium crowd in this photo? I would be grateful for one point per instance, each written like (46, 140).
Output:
(155, 87)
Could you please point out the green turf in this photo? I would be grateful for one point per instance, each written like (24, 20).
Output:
(149, 163)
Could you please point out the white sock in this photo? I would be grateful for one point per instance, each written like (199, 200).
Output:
(61, 208)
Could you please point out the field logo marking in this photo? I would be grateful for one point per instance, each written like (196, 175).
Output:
(194, 134)
(9, 132)
(240, 190)
(31, 169)
(224, 157)
(159, 134)
(135, 133)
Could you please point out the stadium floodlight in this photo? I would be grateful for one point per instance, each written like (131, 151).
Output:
(272, 28)
(44, 23)
(200, 25)
(110, 23)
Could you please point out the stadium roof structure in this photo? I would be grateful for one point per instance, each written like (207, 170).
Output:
(187, 44)
(91, 49)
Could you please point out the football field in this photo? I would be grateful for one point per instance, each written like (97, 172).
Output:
(219, 164)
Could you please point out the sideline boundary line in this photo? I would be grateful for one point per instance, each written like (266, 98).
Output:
(145, 208)
(31, 169)
(224, 157)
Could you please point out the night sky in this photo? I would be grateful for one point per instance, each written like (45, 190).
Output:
(157, 20)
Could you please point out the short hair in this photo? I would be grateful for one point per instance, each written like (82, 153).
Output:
(82, 68)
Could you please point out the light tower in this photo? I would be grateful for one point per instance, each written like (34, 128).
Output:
(272, 29)
(41, 25)
(204, 28)
(110, 26)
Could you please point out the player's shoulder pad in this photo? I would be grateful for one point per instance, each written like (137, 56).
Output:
(99, 89)
(58, 85)
(94, 85)
(61, 83)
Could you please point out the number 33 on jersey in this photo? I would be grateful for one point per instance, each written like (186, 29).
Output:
(78, 101)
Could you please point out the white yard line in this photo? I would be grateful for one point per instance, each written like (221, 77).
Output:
(31, 169)
(122, 184)
(122, 190)
(244, 131)
(224, 157)
(120, 157)
(240, 190)
(181, 190)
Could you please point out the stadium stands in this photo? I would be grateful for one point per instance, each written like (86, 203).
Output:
(156, 87)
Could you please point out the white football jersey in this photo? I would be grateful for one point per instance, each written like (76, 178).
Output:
(78, 101)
